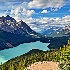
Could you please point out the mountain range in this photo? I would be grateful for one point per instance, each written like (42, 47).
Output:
(13, 33)
(50, 29)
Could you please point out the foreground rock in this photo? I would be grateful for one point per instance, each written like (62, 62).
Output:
(46, 65)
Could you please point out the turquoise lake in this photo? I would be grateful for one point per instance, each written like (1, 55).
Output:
(7, 54)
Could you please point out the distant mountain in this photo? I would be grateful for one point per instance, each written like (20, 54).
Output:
(55, 31)
(56, 36)
(50, 29)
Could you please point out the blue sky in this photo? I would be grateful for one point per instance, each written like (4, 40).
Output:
(37, 10)
(58, 8)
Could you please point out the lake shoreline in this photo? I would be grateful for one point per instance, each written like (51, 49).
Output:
(10, 53)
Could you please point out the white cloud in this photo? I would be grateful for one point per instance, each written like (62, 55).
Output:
(2, 14)
(45, 11)
(69, 10)
(54, 9)
(22, 12)
(43, 22)
(30, 12)
(46, 3)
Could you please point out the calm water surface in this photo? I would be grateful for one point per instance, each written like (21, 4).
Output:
(21, 49)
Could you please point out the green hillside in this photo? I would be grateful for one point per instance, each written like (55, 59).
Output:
(19, 63)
